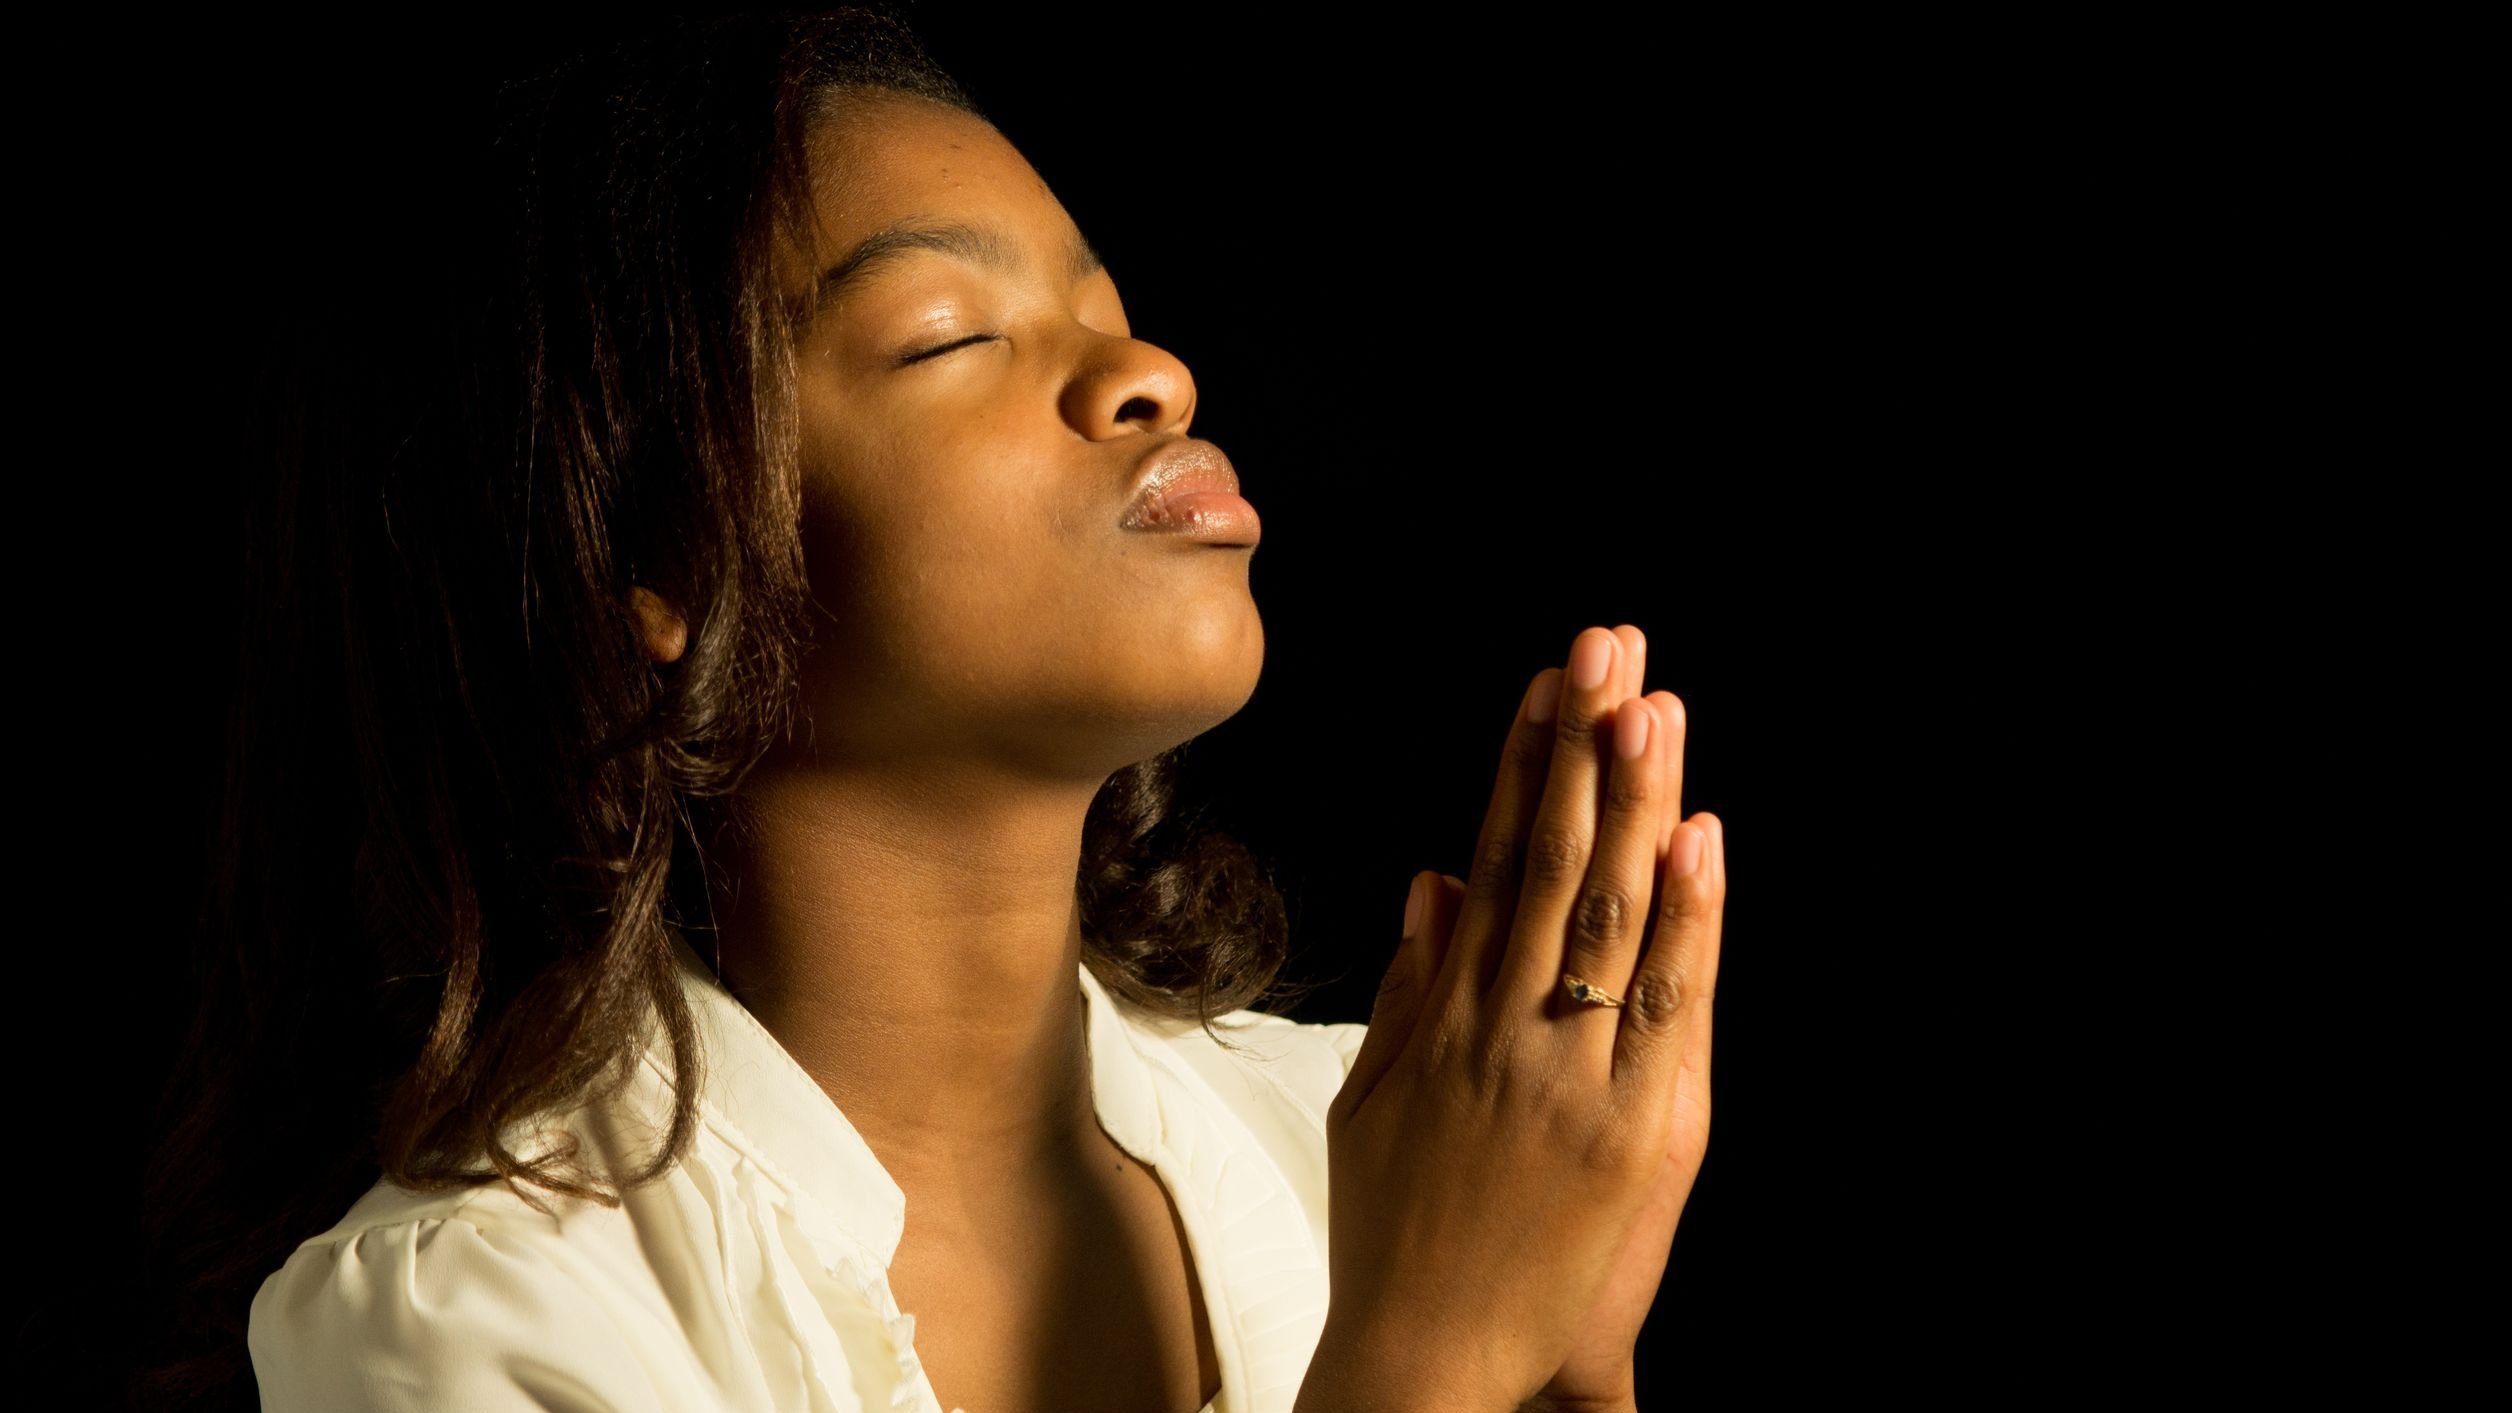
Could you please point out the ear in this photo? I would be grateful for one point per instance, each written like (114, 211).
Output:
(659, 624)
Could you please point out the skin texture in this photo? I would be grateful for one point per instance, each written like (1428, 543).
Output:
(994, 647)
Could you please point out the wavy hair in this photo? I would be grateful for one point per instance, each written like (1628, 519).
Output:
(463, 816)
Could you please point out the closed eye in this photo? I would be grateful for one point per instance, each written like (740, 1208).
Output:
(941, 349)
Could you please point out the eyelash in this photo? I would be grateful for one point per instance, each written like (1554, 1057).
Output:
(940, 349)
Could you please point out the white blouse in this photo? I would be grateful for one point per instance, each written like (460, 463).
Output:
(755, 1276)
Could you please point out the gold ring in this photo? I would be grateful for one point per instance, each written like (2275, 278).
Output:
(1589, 995)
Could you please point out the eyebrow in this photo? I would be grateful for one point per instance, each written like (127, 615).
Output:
(975, 244)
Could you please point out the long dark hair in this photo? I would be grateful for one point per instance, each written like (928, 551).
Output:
(463, 815)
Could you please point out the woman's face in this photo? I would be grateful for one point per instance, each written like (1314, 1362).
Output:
(961, 516)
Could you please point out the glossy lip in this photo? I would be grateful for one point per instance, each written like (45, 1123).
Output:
(1173, 472)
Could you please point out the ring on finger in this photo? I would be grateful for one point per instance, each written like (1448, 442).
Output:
(1588, 994)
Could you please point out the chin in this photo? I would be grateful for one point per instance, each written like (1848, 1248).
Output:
(1185, 719)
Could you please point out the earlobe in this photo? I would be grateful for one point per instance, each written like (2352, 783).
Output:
(664, 632)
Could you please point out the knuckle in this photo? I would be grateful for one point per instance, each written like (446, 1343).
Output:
(1581, 721)
(1680, 900)
(1497, 863)
(1601, 920)
(1487, 1057)
(1529, 1080)
(1556, 856)
(1441, 1035)
(1507, 1065)
(1531, 750)
(1396, 984)
(1659, 995)
(1630, 793)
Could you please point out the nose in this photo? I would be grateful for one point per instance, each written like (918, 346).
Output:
(1130, 385)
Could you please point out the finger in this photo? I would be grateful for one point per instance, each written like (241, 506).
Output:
(1672, 719)
(1607, 927)
(1693, 1049)
(1447, 910)
(1447, 899)
(1715, 859)
(1481, 922)
(1631, 670)
(1671, 992)
(1401, 992)
(1633, 666)
(1670, 790)
(1588, 919)
(1628, 665)
(1548, 854)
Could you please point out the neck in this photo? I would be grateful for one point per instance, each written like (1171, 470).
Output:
(915, 948)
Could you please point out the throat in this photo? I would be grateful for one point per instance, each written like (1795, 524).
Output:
(1021, 1292)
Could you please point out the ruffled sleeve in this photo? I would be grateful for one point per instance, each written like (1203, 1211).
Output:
(436, 1313)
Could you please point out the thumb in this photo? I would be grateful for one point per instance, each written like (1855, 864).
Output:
(1400, 994)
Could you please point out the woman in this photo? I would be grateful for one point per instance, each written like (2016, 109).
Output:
(754, 949)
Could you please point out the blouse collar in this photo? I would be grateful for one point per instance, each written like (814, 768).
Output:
(1261, 1273)
(771, 1104)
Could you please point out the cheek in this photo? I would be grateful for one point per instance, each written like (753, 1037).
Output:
(951, 539)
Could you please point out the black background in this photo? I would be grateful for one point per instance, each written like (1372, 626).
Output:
(1819, 352)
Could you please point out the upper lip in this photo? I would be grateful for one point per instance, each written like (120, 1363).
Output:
(1177, 469)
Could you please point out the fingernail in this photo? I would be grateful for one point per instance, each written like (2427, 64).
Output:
(1543, 700)
(1413, 908)
(1590, 661)
(1687, 850)
(1631, 742)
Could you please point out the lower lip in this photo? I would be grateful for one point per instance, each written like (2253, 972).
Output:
(1217, 517)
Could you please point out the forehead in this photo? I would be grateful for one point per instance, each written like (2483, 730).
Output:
(878, 157)
(893, 176)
